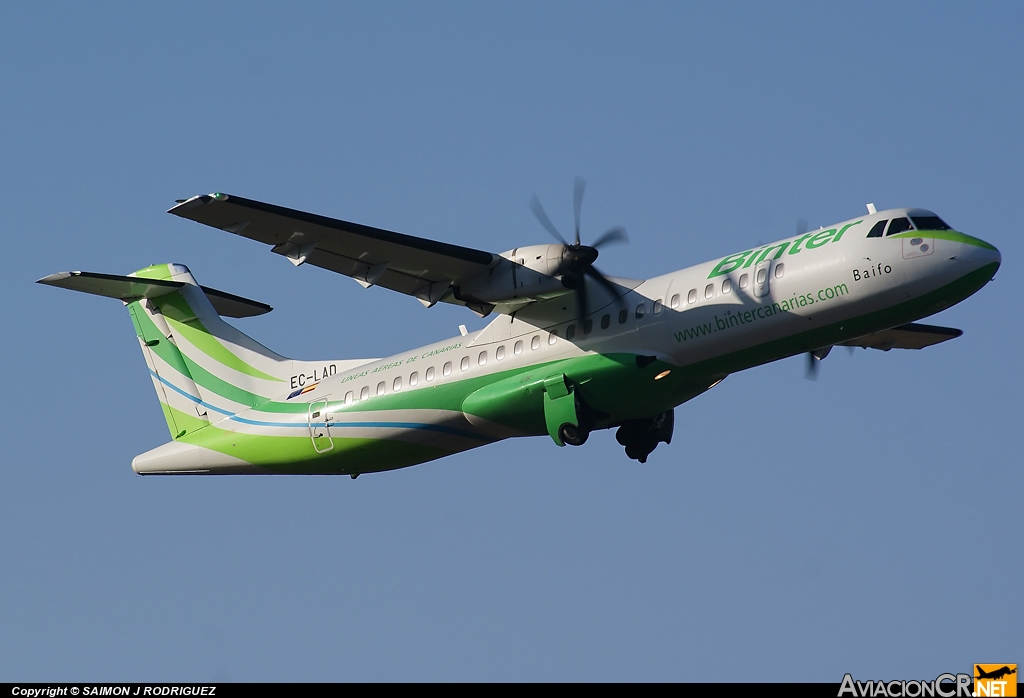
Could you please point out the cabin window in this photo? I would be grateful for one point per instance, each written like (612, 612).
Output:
(640, 310)
(675, 301)
(447, 368)
(570, 332)
(464, 364)
(397, 385)
(898, 225)
(929, 223)
(430, 374)
(877, 229)
(381, 388)
(350, 397)
(658, 307)
(606, 320)
(727, 286)
(518, 348)
(744, 280)
(535, 342)
(499, 353)
(588, 326)
(364, 394)
(709, 291)
(762, 275)
(623, 316)
(780, 269)
(691, 297)
(414, 378)
(482, 359)
(552, 337)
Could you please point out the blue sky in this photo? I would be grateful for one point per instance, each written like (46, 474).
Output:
(794, 530)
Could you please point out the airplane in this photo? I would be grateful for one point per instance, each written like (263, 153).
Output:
(995, 674)
(569, 350)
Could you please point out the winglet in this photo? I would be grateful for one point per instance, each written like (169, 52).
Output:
(188, 204)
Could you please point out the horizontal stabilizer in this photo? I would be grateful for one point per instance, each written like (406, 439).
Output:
(912, 336)
(131, 288)
(229, 305)
(126, 288)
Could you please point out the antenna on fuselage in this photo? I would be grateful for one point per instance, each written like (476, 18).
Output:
(871, 209)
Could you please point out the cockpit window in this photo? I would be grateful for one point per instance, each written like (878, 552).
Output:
(898, 225)
(929, 223)
(878, 228)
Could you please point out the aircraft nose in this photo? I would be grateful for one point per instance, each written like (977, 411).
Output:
(979, 253)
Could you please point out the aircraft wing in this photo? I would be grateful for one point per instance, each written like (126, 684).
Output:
(912, 336)
(428, 270)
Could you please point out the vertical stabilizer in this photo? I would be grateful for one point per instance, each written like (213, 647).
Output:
(198, 357)
(204, 370)
(179, 396)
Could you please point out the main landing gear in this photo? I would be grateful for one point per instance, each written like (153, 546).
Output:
(569, 421)
(568, 418)
(642, 436)
(573, 434)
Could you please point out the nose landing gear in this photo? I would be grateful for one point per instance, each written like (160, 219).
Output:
(642, 436)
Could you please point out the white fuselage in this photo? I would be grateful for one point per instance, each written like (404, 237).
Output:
(802, 290)
(759, 305)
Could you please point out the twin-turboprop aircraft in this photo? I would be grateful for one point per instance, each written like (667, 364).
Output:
(569, 350)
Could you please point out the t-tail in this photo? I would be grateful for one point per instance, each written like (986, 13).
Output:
(204, 370)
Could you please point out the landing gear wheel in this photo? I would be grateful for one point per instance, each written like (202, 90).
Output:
(572, 434)
(639, 453)
(642, 436)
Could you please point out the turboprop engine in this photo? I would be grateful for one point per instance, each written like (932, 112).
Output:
(524, 274)
(540, 272)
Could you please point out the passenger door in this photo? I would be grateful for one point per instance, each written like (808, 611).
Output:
(320, 425)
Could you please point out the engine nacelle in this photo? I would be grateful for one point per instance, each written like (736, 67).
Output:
(523, 274)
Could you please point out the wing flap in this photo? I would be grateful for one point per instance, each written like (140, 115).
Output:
(912, 336)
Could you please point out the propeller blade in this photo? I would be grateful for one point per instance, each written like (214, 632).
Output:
(801, 226)
(577, 260)
(577, 203)
(581, 298)
(542, 216)
(812, 367)
(611, 236)
(814, 358)
(608, 285)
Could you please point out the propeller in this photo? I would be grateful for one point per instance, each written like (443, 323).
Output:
(818, 355)
(801, 226)
(813, 359)
(577, 260)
